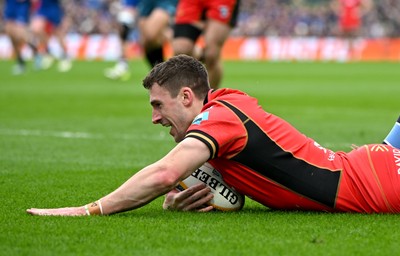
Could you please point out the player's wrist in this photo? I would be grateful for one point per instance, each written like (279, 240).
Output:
(94, 208)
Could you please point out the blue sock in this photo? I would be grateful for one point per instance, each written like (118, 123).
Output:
(393, 138)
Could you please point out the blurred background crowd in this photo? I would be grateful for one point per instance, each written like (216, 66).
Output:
(314, 18)
(256, 18)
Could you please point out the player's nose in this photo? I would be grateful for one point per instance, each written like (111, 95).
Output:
(156, 117)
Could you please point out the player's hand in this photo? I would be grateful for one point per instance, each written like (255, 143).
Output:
(191, 199)
(68, 211)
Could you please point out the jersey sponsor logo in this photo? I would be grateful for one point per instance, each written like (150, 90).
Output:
(319, 146)
(224, 11)
(377, 148)
(331, 154)
(396, 154)
(200, 118)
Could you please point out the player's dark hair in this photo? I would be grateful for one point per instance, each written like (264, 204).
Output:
(177, 72)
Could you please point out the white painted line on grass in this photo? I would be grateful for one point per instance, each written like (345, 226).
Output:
(81, 135)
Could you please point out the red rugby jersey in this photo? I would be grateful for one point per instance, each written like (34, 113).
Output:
(267, 159)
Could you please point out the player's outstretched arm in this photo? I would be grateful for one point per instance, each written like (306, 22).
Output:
(146, 185)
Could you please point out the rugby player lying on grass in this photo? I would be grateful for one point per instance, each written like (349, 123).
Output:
(259, 154)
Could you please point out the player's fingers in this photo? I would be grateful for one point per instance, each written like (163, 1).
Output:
(197, 201)
(206, 209)
(199, 194)
(41, 212)
(31, 211)
(35, 212)
(68, 211)
(189, 191)
(194, 197)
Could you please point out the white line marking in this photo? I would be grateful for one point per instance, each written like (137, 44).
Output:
(81, 135)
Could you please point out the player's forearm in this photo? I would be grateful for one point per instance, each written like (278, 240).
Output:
(139, 190)
(158, 178)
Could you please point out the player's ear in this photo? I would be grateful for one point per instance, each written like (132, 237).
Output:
(187, 96)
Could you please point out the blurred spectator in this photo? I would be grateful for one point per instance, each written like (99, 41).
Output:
(312, 18)
(90, 16)
(256, 18)
(351, 16)
(387, 19)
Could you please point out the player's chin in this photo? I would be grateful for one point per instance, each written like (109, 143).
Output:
(177, 137)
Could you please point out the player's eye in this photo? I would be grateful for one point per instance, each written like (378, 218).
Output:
(156, 105)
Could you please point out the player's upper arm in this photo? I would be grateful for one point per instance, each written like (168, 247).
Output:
(186, 157)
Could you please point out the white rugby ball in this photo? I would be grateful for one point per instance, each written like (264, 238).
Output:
(225, 198)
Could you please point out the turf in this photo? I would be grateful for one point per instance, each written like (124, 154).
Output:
(68, 139)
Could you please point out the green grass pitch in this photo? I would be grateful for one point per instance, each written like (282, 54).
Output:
(68, 139)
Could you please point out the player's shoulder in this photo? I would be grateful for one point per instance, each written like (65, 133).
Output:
(222, 107)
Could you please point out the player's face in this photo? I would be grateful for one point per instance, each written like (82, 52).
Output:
(169, 112)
